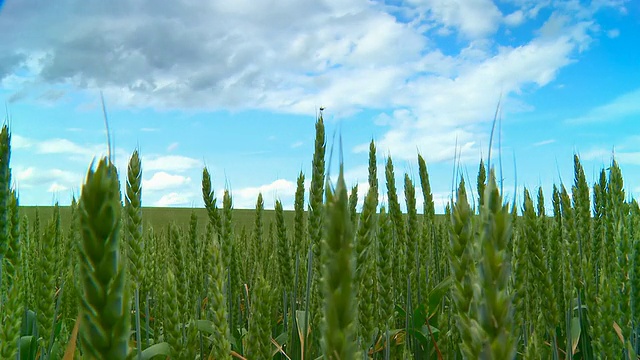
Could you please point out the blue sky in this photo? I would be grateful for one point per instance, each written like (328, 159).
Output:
(235, 86)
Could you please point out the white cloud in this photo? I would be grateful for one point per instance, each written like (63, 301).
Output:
(246, 197)
(60, 146)
(443, 113)
(443, 142)
(32, 176)
(473, 18)
(621, 107)
(177, 163)
(174, 199)
(356, 54)
(297, 144)
(66, 146)
(32, 179)
(186, 61)
(515, 18)
(20, 142)
(21, 174)
(346, 55)
(55, 188)
(162, 181)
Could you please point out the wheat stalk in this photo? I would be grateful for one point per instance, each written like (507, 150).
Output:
(462, 252)
(284, 250)
(299, 241)
(221, 348)
(338, 272)
(316, 230)
(495, 312)
(399, 233)
(364, 260)
(13, 305)
(259, 335)
(104, 328)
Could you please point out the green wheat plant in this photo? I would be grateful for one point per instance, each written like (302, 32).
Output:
(259, 335)
(13, 306)
(133, 209)
(495, 314)
(334, 278)
(462, 264)
(399, 233)
(217, 308)
(104, 326)
(315, 227)
(364, 276)
(339, 333)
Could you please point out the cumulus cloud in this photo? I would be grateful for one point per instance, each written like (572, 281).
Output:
(515, 18)
(172, 55)
(9, 62)
(177, 163)
(32, 176)
(20, 142)
(472, 18)
(55, 188)
(54, 181)
(174, 199)
(162, 181)
(442, 113)
(347, 55)
(278, 189)
(65, 146)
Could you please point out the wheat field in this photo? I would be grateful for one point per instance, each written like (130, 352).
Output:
(107, 278)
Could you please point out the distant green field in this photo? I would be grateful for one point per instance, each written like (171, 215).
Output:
(158, 218)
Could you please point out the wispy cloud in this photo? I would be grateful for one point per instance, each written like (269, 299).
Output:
(604, 156)
(613, 33)
(173, 146)
(51, 96)
(618, 109)
(544, 142)
(473, 19)
(66, 146)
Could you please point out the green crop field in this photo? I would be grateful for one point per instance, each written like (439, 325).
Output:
(159, 217)
(107, 278)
